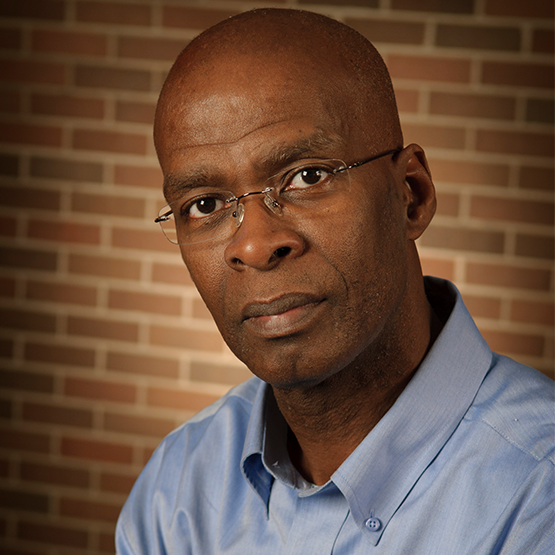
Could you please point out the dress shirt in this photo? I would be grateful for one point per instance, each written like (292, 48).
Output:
(462, 464)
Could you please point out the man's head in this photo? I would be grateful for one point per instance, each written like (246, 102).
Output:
(299, 298)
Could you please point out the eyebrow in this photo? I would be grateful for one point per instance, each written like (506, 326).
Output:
(317, 145)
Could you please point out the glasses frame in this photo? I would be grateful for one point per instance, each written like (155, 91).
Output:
(269, 201)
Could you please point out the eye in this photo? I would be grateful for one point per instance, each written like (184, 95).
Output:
(202, 207)
(309, 177)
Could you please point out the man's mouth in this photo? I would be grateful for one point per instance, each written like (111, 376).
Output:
(284, 316)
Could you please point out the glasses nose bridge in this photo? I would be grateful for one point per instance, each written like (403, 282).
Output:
(269, 201)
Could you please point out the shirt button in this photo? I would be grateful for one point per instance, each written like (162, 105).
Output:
(373, 524)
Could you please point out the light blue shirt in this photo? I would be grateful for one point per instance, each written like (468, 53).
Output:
(463, 463)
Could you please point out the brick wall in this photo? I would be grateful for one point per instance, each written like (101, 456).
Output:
(104, 343)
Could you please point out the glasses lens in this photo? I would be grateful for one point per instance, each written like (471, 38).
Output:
(311, 186)
(307, 187)
(197, 218)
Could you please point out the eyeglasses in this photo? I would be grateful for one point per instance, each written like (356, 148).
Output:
(207, 213)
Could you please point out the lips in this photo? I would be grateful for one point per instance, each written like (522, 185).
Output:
(286, 315)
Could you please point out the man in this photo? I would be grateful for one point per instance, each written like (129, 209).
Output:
(379, 420)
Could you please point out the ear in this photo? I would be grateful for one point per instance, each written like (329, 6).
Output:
(419, 194)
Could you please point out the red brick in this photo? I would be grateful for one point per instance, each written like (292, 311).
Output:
(65, 42)
(540, 110)
(23, 441)
(472, 105)
(483, 307)
(139, 176)
(34, 9)
(28, 258)
(515, 142)
(515, 210)
(23, 501)
(20, 133)
(466, 239)
(106, 329)
(102, 390)
(66, 105)
(8, 227)
(104, 266)
(535, 246)
(63, 168)
(517, 8)
(193, 18)
(447, 204)
(10, 38)
(445, 6)
(9, 165)
(7, 287)
(434, 136)
(142, 364)
(10, 102)
(136, 112)
(129, 207)
(97, 450)
(140, 239)
(144, 302)
(514, 343)
(531, 312)
(59, 415)
(89, 510)
(185, 338)
(181, 400)
(23, 197)
(171, 273)
(518, 74)
(65, 232)
(27, 320)
(117, 483)
(55, 474)
(215, 373)
(6, 348)
(140, 425)
(6, 413)
(502, 275)
(543, 41)
(59, 354)
(113, 78)
(536, 178)
(26, 71)
(106, 542)
(61, 293)
(388, 30)
(478, 37)
(429, 68)
(109, 141)
(407, 100)
(50, 534)
(114, 13)
(146, 48)
(200, 310)
(26, 381)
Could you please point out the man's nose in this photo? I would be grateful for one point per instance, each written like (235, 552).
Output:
(263, 239)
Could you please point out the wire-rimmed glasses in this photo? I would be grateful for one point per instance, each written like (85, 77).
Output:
(206, 213)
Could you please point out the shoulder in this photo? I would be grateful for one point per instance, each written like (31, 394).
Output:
(184, 477)
(516, 402)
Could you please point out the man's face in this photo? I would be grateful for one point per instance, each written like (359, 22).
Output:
(296, 299)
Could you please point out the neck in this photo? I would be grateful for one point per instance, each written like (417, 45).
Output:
(328, 420)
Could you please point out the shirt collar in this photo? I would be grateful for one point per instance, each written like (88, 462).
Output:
(379, 474)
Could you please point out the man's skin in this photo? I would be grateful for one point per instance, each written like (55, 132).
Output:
(328, 307)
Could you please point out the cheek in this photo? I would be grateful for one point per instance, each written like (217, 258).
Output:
(208, 276)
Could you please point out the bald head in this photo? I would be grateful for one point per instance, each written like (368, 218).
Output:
(294, 50)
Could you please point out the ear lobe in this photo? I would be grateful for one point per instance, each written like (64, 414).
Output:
(421, 197)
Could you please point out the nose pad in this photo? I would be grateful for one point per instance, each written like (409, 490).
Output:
(239, 214)
(272, 204)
